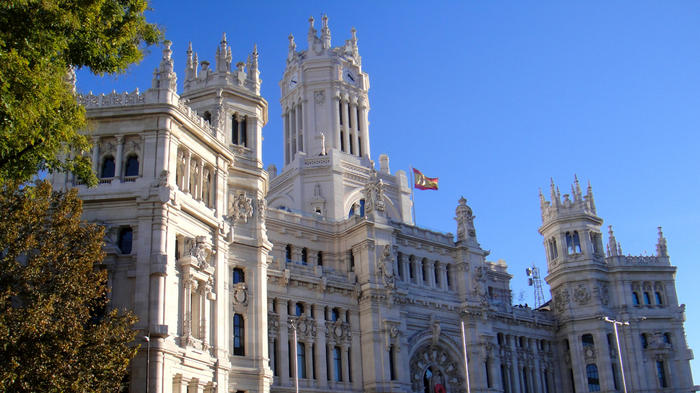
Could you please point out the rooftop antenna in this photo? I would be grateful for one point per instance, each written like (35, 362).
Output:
(534, 280)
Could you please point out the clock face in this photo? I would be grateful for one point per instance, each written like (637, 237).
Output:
(349, 76)
(293, 81)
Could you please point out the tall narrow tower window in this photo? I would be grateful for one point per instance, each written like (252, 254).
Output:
(661, 373)
(342, 141)
(319, 258)
(340, 112)
(234, 129)
(304, 256)
(244, 132)
(301, 360)
(288, 253)
(238, 335)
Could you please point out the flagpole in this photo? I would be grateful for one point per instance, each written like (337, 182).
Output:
(466, 360)
(296, 359)
(413, 201)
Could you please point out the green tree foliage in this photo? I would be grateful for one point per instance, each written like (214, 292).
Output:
(40, 40)
(55, 332)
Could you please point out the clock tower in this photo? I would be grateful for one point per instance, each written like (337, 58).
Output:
(324, 98)
(326, 146)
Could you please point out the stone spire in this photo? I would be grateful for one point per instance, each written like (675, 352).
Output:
(253, 79)
(311, 36)
(661, 249)
(325, 33)
(191, 68)
(614, 248)
(589, 198)
(164, 76)
(223, 56)
(571, 204)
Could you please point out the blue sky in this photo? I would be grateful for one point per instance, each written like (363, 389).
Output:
(495, 98)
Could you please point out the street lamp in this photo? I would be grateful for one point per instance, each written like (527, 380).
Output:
(148, 362)
(615, 323)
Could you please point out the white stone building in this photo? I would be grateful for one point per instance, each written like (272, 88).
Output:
(224, 262)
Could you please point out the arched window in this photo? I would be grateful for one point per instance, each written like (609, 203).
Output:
(132, 166)
(647, 298)
(238, 335)
(593, 379)
(238, 275)
(107, 169)
(357, 209)
(635, 298)
(399, 265)
(658, 298)
(125, 240)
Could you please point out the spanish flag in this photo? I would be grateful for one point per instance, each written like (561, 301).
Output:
(422, 182)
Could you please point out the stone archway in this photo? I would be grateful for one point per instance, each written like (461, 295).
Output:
(433, 366)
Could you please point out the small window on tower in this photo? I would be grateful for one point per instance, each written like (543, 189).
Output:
(238, 275)
(207, 116)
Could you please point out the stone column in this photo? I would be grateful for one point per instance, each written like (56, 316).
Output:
(200, 180)
(96, 155)
(346, 117)
(293, 131)
(118, 158)
(344, 361)
(604, 362)
(536, 382)
(287, 139)
(186, 183)
(356, 357)
(335, 121)
(364, 130)
(309, 351)
(300, 124)
(443, 276)
(356, 128)
(283, 343)
(331, 369)
(186, 307)
(515, 368)
(320, 314)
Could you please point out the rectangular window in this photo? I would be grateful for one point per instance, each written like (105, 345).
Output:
(635, 298)
(647, 298)
(593, 379)
(238, 335)
(234, 130)
(336, 365)
(488, 374)
(301, 360)
(661, 373)
(392, 368)
(615, 376)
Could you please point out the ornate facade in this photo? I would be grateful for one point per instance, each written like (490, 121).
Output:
(228, 265)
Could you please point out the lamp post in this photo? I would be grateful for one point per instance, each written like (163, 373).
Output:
(148, 362)
(615, 323)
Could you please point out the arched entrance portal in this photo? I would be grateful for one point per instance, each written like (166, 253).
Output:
(433, 370)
